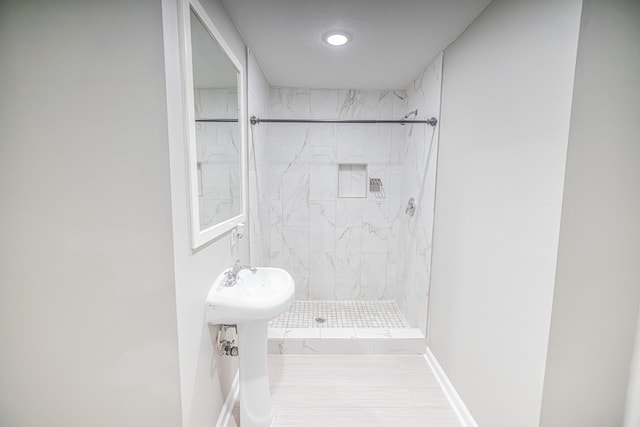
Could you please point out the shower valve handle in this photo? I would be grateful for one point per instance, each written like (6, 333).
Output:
(411, 207)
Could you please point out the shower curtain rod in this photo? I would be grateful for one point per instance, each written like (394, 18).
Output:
(255, 120)
(218, 120)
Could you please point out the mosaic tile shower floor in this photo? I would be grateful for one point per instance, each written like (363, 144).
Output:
(341, 314)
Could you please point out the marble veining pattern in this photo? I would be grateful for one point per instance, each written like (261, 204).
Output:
(418, 174)
(259, 182)
(218, 156)
(348, 248)
(302, 187)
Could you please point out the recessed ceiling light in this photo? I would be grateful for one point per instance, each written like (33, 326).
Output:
(336, 38)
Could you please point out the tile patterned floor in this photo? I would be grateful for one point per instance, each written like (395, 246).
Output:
(356, 391)
(341, 314)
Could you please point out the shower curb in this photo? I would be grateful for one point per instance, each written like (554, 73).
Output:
(346, 341)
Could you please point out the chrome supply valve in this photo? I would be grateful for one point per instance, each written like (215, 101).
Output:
(224, 346)
(231, 276)
(227, 348)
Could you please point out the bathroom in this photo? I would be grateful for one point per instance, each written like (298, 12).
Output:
(525, 204)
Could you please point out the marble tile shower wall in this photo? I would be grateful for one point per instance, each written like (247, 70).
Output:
(345, 248)
(418, 153)
(218, 155)
(336, 248)
(259, 234)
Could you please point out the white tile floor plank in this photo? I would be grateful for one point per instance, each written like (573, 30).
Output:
(342, 396)
(412, 363)
(427, 396)
(370, 417)
(352, 376)
(329, 362)
(356, 391)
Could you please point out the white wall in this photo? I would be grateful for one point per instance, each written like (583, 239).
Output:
(102, 298)
(506, 104)
(205, 376)
(87, 302)
(597, 290)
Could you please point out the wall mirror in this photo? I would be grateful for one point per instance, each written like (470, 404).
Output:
(216, 127)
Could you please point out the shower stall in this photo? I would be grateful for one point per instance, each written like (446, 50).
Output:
(331, 176)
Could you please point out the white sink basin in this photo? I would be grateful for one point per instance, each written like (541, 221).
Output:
(262, 295)
(254, 299)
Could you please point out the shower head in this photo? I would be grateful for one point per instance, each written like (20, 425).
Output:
(413, 113)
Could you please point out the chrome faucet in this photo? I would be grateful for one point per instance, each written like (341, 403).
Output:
(232, 274)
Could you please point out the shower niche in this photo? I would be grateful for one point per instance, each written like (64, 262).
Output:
(352, 180)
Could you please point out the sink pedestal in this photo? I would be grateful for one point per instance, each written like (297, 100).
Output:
(255, 396)
(255, 297)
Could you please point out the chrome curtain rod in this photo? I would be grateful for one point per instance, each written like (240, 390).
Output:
(255, 120)
(218, 120)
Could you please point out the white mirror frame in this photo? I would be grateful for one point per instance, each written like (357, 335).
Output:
(200, 237)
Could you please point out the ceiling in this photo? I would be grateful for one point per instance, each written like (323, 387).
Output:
(393, 40)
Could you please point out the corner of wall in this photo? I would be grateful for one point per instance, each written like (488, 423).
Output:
(597, 274)
(499, 197)
(206, 378)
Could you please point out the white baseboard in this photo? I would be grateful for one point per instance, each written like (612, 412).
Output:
(452, 395)
(226, 413)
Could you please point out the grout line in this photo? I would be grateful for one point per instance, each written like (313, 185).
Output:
(341, 314)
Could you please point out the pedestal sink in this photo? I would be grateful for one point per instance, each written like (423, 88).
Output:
(254, 299)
